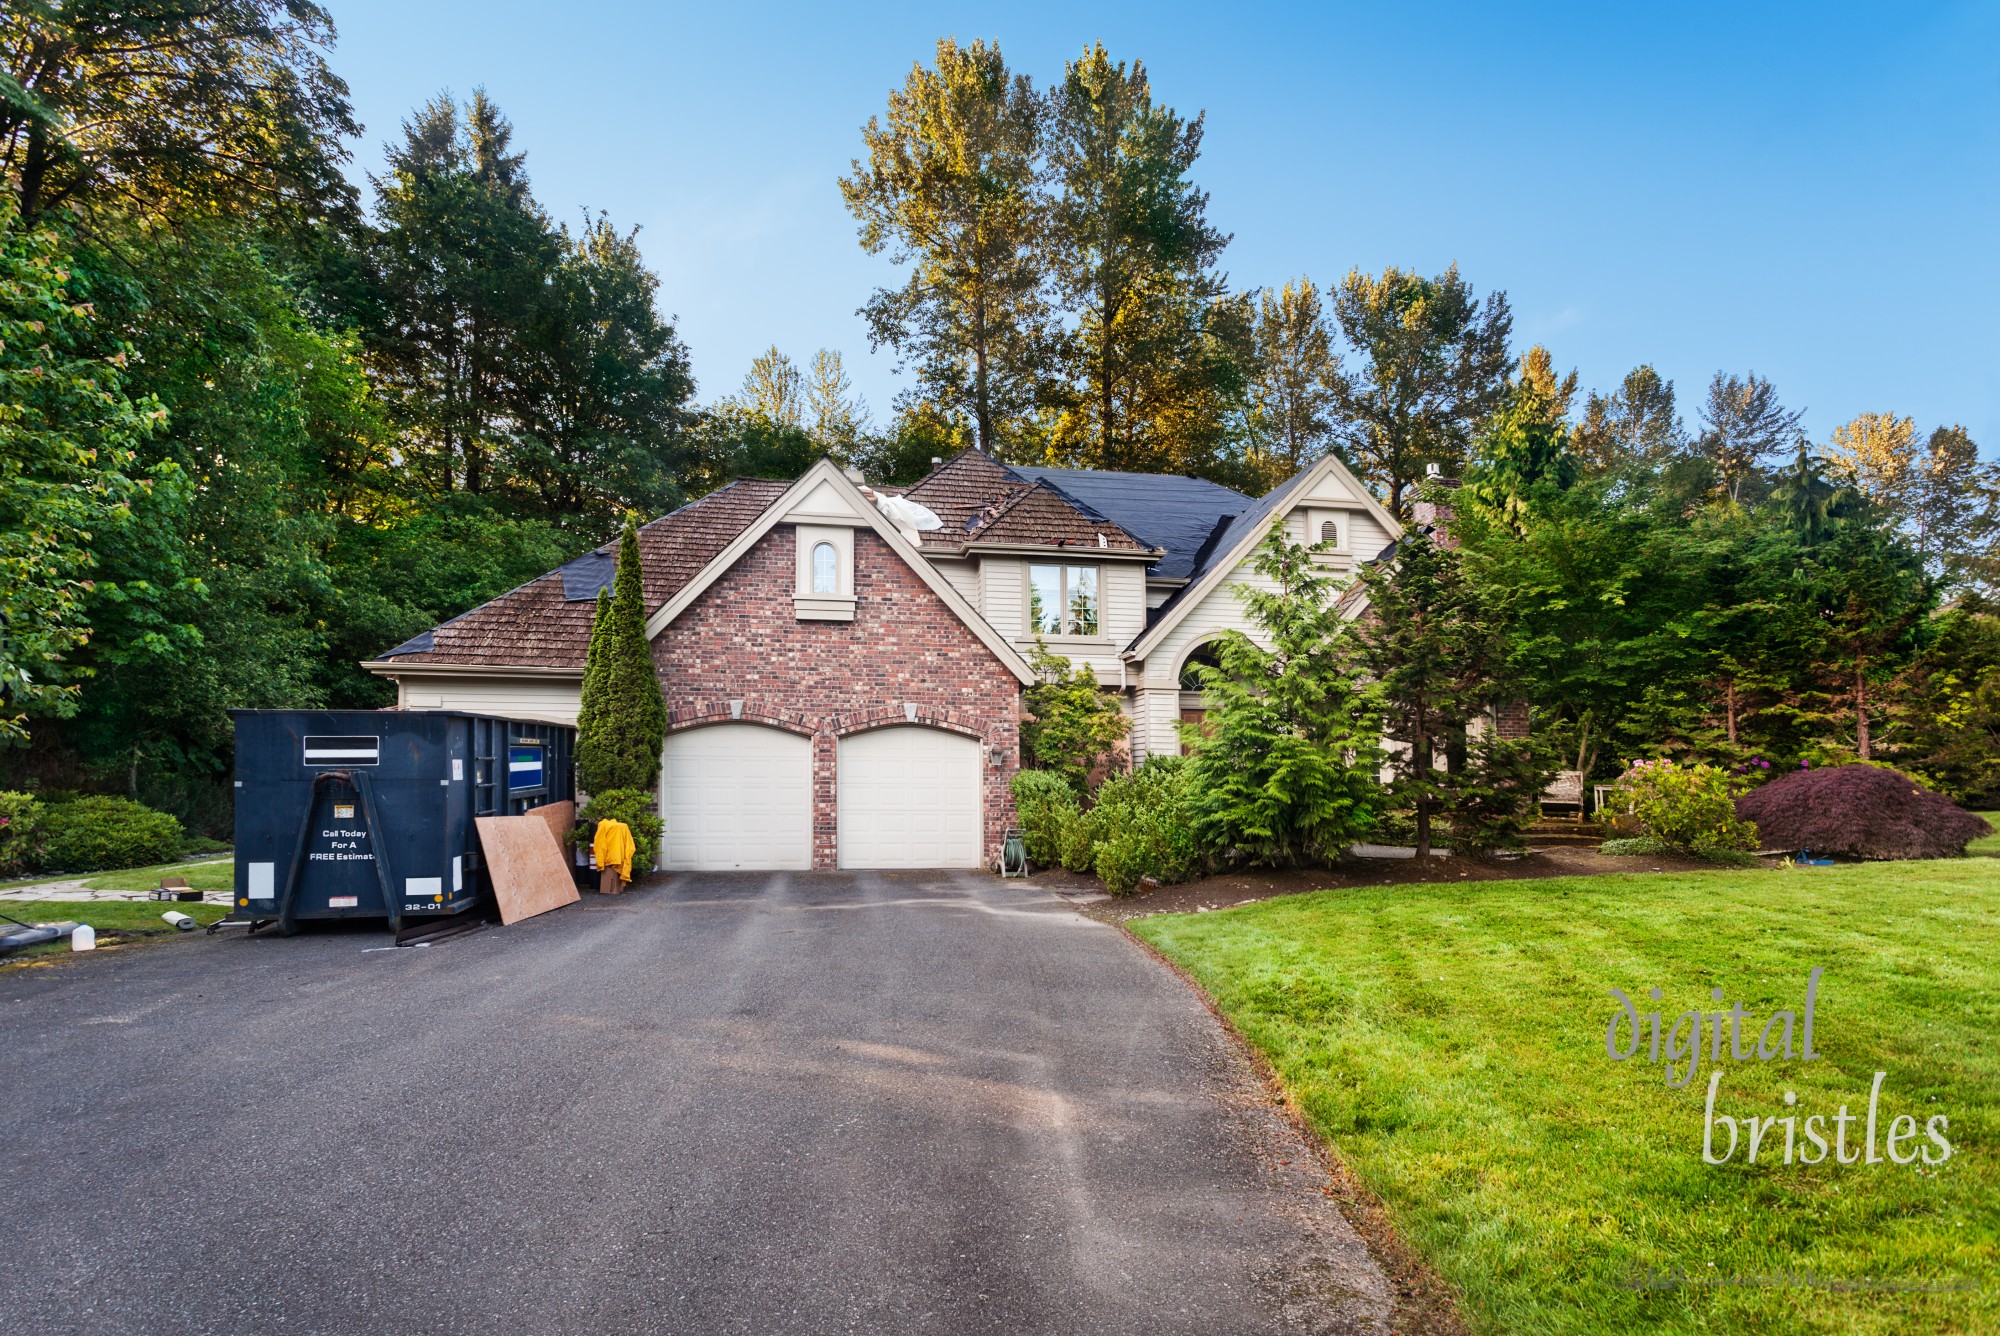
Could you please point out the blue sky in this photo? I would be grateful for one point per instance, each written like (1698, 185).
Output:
(1807, 191)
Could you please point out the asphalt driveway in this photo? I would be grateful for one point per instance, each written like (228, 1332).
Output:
(870, 1102)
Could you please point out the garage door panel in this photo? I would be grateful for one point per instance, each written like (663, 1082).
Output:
(910, 797)
(737, 796)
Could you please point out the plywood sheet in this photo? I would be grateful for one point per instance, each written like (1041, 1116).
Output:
(526, 864)
(560, 816)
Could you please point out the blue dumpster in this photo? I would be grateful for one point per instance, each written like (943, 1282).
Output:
(369, 813)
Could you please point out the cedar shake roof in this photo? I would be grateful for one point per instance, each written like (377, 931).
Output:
(546, 622)
(962, 492)
(982, 500)
(1041, 516)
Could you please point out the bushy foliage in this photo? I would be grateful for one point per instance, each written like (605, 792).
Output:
(1075, 728)
(1690, 808)
(1283, 766)
(1862, 811)
(1496, 796)
(1141, 827)
(621, 722)
(1045, 803)
(639, 810)
(1140, 824)
(94, 833)
(20, 831)
(1635, 846)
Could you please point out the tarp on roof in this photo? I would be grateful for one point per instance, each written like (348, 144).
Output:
(1174, 513)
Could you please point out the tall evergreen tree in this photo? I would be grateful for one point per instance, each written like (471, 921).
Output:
(621, 722)
(1433, 368)
(1283, 765)
(949, 190)
(1156, 352)
(1437, 654)
(464, 258)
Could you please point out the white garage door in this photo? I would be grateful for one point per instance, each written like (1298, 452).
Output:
(737, 796)
(910, 797)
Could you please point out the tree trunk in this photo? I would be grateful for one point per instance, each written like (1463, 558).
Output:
(1729, 706)
(1420, 765)
(981, 395)
(1861, 711)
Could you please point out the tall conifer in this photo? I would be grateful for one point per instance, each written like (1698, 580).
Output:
(622, 722)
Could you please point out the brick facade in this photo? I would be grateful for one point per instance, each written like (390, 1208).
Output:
(739, 652)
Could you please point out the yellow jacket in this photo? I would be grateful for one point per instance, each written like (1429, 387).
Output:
(614, 848)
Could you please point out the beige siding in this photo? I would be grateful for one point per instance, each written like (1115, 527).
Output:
(1004, 597)
(1124, 594)
(1369, 536)
(964, 577)
(538, 698)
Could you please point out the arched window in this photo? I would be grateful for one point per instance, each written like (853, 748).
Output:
(826, 569)
(1329, 533)
(1206, 655)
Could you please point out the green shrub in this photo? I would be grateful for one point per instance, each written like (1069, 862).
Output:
(638, 809)
(1691, 808)
(99, 833)
(1640, 846)
(20, 831)
(1076, 842)
(1139, 827)
(1045, 803)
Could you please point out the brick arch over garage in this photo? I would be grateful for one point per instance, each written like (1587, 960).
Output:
(706, 714)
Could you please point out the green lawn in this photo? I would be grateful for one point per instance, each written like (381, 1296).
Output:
(1990, 846)
(1450, 1041)
(115, 920)
(217, 875)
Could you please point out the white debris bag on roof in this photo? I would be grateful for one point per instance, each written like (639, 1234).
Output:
(907, 515)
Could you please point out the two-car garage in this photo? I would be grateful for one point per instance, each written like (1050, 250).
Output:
(740, 796)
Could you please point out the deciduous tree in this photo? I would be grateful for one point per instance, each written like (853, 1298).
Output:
(1636, 422)
(1155, 352)
(161, 107)
(949, 190)
(1433, 367)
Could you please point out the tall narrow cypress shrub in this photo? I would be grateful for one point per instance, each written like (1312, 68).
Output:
(622, 722)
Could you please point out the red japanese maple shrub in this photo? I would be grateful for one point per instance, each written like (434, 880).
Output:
(1862, 811)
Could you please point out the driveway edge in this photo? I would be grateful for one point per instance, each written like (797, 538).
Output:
(1425, 1303)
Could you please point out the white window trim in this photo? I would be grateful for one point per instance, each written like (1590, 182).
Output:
(812, 607)
(1028, 601)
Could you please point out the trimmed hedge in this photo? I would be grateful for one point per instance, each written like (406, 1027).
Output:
(20, 831)
(100, 833)
(1045, 804)
(1139, 825)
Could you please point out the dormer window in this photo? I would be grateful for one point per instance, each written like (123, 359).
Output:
(825, 569)
(1329, 533)
(1062, 600)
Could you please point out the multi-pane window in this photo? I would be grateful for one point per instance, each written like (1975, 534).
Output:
(825, 569)
(1062, 600)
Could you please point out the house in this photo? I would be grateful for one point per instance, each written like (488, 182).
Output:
(843, 687)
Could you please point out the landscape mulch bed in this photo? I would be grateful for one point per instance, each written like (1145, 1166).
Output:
(1240, 888)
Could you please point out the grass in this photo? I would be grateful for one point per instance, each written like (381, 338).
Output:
(116, 921)
(1450, 1041)
(212, 875)
(217, 875)
(1989, 846)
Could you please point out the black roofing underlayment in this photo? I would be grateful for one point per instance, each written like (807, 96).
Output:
(1174, 513)
(587, 574)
